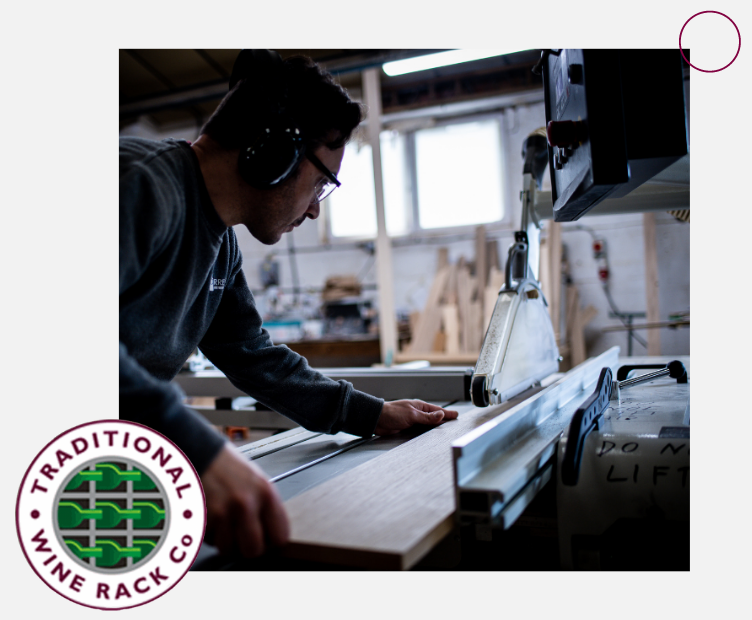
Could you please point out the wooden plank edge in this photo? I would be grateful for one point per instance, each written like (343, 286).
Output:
(368, 558)
(433, 538)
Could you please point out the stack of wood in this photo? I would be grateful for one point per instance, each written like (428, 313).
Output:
(576, 320)
(340, 287)
(570, 336)
(452, 325)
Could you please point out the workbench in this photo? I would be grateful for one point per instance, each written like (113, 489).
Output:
(354, 350)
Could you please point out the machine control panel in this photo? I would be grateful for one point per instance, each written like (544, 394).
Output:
(615, 118)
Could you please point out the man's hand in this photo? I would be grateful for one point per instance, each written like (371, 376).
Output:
(244, 512)
(401, 414)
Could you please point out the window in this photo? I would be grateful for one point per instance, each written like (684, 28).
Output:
(352, 208)
(442, 176)
(458, 172)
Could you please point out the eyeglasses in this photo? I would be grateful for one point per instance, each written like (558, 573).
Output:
(326, 186)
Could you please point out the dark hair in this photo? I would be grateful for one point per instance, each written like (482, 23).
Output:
(300, 91)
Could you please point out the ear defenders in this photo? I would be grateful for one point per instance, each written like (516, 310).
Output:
(266, 160)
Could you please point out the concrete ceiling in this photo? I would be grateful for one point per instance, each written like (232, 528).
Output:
(184, 85)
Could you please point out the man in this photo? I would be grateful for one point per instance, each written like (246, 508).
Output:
(265, 159)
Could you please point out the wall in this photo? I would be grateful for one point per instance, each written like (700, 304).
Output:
(415, 264)
(625, 242)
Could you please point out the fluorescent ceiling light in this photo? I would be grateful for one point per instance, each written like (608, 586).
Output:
(442, 59)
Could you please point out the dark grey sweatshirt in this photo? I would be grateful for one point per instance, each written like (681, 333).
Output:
(182, 287)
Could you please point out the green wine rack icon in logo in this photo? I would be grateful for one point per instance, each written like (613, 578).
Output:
(111, 515)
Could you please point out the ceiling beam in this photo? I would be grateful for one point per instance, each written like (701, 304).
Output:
(336, 65)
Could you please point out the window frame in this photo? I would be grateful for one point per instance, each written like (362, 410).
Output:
(414, 230)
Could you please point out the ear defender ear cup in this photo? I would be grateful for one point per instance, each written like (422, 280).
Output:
(268, 159)
(272, 157)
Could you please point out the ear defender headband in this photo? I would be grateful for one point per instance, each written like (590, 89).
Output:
(266, 160)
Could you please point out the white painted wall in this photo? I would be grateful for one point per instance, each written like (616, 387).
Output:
(415, 265)
(624, 238)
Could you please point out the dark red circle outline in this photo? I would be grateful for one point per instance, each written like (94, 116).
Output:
(738, 49)
(18, 501)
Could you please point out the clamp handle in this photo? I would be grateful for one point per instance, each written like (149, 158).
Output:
(516, 269)
(585, 419)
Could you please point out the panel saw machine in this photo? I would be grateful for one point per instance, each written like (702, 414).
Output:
(611, 433)
(615, 119)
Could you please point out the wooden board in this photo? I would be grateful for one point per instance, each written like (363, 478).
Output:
(653, 310)
(577, 320)
(495, 278)
(389, 512)
(442, 259)
(464, 295)
(554, 257)
(360, 350)
(451, 326)
(476, 328)
(481, 280)
(439, 342)
(588, 314)
(574, 334)
(544, 274)
(449, 296)
(430, 319)
(481, 262)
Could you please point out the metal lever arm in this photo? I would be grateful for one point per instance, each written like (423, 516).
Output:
(676, 370)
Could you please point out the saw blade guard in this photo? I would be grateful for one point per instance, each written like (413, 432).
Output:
(519, 349)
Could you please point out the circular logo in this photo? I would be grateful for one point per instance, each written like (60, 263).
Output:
(738, 34)
(111, 514)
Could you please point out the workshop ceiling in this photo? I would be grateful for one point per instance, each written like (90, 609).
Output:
(171, 86)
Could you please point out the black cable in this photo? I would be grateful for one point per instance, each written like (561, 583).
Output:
(621, 317)
(538, 68)
(583, 227)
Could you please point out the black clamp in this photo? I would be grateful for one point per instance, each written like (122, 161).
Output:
(586, 419)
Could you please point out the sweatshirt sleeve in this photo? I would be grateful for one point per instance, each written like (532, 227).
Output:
(145, 399)
(278, 377)
(158, 405)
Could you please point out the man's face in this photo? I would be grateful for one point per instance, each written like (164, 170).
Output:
(288, 206)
